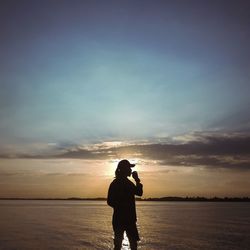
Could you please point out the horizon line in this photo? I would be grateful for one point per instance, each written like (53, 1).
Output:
(165, 198)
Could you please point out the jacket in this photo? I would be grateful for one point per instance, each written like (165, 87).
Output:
(121, 196)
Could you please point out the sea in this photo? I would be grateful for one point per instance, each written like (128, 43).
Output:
(71, 224)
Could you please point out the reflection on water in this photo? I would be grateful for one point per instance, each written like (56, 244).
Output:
(87, 225)
(125, 242)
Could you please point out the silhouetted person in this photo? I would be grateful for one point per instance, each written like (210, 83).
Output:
(121, 196)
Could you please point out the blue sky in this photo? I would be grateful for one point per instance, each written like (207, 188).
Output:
(74, 74)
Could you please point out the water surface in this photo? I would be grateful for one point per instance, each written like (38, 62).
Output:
(87, 225)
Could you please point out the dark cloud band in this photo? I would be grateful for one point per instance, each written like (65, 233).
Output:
(207, 150)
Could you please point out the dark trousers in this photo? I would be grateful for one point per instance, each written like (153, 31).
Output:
(132, 233)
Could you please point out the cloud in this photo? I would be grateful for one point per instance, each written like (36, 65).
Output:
(205, 149)
(35, 174)
(77, 153)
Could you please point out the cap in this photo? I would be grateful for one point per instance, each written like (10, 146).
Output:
(125, 163)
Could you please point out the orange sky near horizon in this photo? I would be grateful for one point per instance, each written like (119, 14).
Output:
(64, 178)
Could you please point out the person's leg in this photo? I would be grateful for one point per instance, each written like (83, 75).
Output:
(132, 243)
(133, 236)
(118, 237)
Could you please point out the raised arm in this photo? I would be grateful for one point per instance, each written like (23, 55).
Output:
(139, 186)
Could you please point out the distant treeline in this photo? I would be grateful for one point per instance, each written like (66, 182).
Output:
(214, 199)
(168, 198)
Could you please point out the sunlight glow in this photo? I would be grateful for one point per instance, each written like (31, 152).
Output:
(112, 165)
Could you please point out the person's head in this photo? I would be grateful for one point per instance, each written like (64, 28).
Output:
(123, 169)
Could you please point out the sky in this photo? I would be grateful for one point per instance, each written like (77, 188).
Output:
(84, 84)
